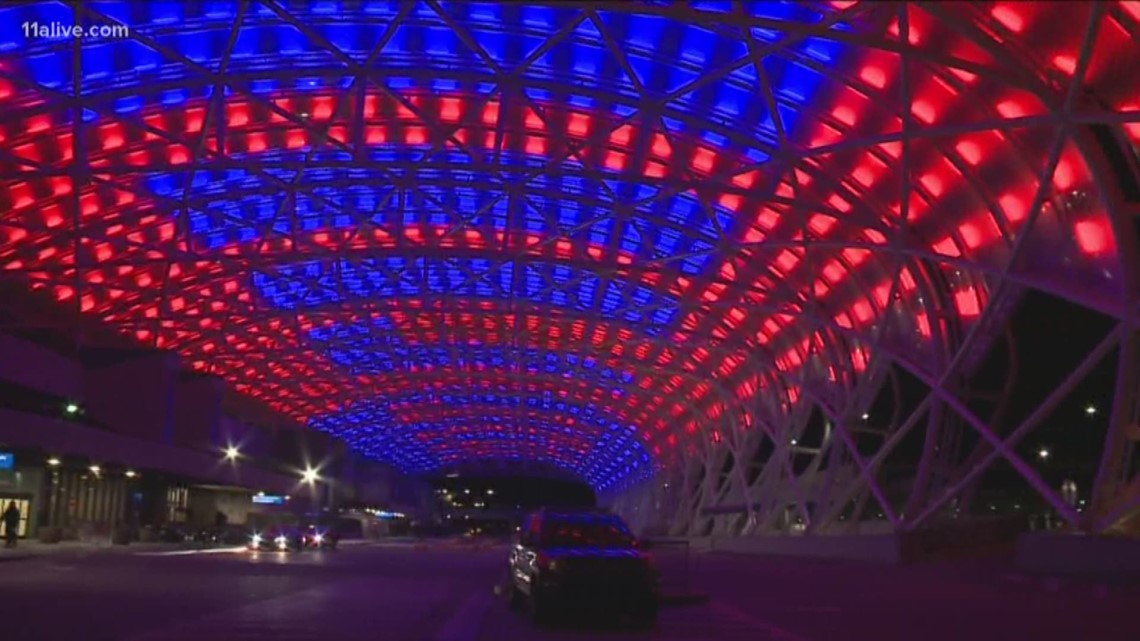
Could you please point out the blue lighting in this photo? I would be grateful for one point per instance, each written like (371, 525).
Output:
(491, 199)
(422, 432)
(303, 285)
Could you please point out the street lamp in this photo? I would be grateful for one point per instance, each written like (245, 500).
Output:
(130, 474)
(1091, 410)
(1043, 453)
(54, 462)
(71, 408)
(309, 476)
(232, 453)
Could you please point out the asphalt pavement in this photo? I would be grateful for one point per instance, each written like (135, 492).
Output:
(404, 592)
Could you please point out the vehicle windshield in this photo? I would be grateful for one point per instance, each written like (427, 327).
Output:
(586, 532)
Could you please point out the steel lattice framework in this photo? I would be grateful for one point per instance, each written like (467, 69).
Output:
(619, 239)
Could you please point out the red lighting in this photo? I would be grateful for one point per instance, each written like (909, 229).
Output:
(924, 111)
(1132, 8)
(1010, 109)
(579, 125)
(615, 160)
(536, 145)
(256, 142)
(1065, 63)
(874, 76)
(375, 135)
(491, 113)
(913, 34)
(932, 184)
(703, 160)
(296, 139)
(1008, 16)
(323, 107)
(967, 303)
(1015, 208)
(198, 289)
(970, 151)
(237, 114)
(1094, 237)
(844, 114)
(450, 109)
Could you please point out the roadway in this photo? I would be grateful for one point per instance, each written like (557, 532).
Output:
(445, 593)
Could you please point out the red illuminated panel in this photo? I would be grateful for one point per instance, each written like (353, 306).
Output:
(1094, 236)
(975, 232)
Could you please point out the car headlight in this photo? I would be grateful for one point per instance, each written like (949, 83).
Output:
(255, 539)
(318, 538)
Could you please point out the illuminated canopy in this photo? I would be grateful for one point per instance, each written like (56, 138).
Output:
(596, 237)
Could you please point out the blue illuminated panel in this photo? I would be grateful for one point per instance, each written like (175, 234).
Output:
(315, 283)
(426, 57)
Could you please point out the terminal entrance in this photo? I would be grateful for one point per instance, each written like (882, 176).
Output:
(23, 504)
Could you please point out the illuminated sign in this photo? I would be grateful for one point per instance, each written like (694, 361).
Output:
(269, 499)
(7, 460)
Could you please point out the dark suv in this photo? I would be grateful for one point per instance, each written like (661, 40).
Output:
(573, 559)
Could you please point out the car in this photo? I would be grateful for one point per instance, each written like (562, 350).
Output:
(222, 535)
(320, 538)
(282, 539)
(172, 534)
(563, 560)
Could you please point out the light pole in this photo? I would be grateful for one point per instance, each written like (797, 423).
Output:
(310, 477)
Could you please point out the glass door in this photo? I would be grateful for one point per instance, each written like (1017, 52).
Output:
(25, 507)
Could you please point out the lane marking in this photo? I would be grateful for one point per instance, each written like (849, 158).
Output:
(467, 622)
(776, 633)
(192, 552)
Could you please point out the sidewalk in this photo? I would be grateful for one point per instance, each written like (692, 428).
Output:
(36, 549)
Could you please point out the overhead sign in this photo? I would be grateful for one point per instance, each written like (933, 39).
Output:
(7, 460)
(268, 499)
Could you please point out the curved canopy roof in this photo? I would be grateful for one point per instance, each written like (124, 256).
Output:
(596, 237)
